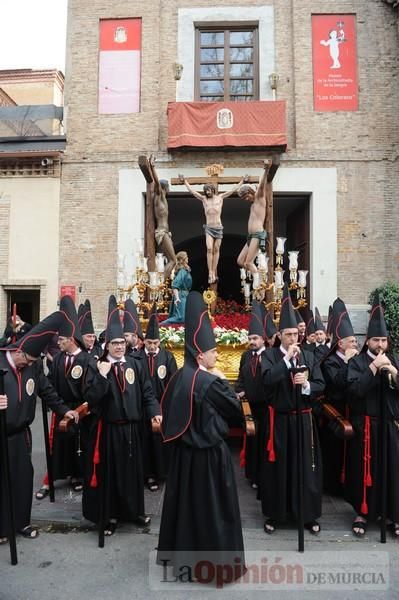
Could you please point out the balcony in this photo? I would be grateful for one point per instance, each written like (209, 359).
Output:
(244, 125)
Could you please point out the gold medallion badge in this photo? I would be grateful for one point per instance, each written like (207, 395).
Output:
(30, 386)
(76, 372)
(161, 371)
(129, 374)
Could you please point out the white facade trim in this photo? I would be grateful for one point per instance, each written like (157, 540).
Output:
(319, 183)
(186, 43)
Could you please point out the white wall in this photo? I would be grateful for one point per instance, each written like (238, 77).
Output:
(34, 235)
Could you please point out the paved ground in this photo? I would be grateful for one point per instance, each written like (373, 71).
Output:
(65, 562)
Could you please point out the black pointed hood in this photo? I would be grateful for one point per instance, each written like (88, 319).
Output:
(256, 321)
(318, 323)
(298, 317)
(268, 325)
(199, 335)
(341, 323)
(287, 314)
(131, 321)
(114, 328)
(309, 321)
(35, 341)
(69, 327)
(85, 318)
(377, 326)
(329, 321)
(177, 401)
(152, 332)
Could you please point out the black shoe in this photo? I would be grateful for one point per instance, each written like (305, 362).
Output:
(143, 520)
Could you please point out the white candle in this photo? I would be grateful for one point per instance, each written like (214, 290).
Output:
(243, 274)
(153, 278)
(144, 264)
(261, 260)
(293, 259)
(280, 245)
(278, 278)
(247, 290)
(302, 278)
(256, 280)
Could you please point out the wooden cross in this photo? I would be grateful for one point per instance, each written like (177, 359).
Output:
(214, 171)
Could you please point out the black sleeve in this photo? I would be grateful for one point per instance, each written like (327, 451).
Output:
(150, 403)
(222, 397)
(47, 393)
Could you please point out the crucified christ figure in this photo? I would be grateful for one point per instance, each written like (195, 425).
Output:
(256, 237)
(213, 204)
(163, 236)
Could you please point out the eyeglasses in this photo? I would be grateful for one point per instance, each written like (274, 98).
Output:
(118, 343)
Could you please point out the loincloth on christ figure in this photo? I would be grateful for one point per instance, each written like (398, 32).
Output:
(261, 236)
(159, 234)
(215, 232)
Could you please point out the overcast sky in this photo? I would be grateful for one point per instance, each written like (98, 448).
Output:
(32, 34)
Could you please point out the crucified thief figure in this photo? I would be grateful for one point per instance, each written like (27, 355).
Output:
(213, 204)
(256, 237)
(163, 236)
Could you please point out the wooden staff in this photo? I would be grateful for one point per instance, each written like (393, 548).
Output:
(299, 452)
(7, 477)
(103, 487)
(384, 462)
(49, 462)
(249, 420)
(14, 323)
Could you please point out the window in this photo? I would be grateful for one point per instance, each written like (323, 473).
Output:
(227, 63)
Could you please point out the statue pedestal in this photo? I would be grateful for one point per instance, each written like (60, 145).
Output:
(228, 358)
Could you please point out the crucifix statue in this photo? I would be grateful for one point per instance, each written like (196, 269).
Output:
(212, 202)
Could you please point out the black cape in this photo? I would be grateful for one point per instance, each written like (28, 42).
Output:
(201, 512)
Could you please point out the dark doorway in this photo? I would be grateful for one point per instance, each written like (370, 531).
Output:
(28, 304)
(186, 219)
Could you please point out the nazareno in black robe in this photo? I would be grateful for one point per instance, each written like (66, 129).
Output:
(201, 515)
(363, 460)
(22, 388)
(335, 372)
(158, 372)
(278, 489)
(115, 439)
(250, 381)
(67, 448)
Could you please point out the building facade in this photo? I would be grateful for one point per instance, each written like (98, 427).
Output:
(336, 190)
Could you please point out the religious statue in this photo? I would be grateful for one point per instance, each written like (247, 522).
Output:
(256, 238)
(181, 286)
(163, 236)
(213, 204)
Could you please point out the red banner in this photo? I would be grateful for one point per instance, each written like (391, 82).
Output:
(335, 85)
(119, 66)
(220, 124)
(68, 290)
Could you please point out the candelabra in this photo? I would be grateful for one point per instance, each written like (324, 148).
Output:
(151, 286)
(255, 284)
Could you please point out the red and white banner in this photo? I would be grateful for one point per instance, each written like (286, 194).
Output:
(236, 124)
(119, 66)
(335, 86)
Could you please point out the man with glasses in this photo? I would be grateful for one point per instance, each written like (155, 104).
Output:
(24, 380)
(119, 395)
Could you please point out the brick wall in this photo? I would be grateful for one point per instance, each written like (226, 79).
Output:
(362, 145)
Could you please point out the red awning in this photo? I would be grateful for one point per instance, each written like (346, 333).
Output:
(220, 124)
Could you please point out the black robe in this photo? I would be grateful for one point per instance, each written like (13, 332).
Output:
(278, 489)
(67, 448)
(335, 373)
(158, 370)
(250, 381)
(201, 515)
(118, 407)
(22, 388)
(364, 400)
